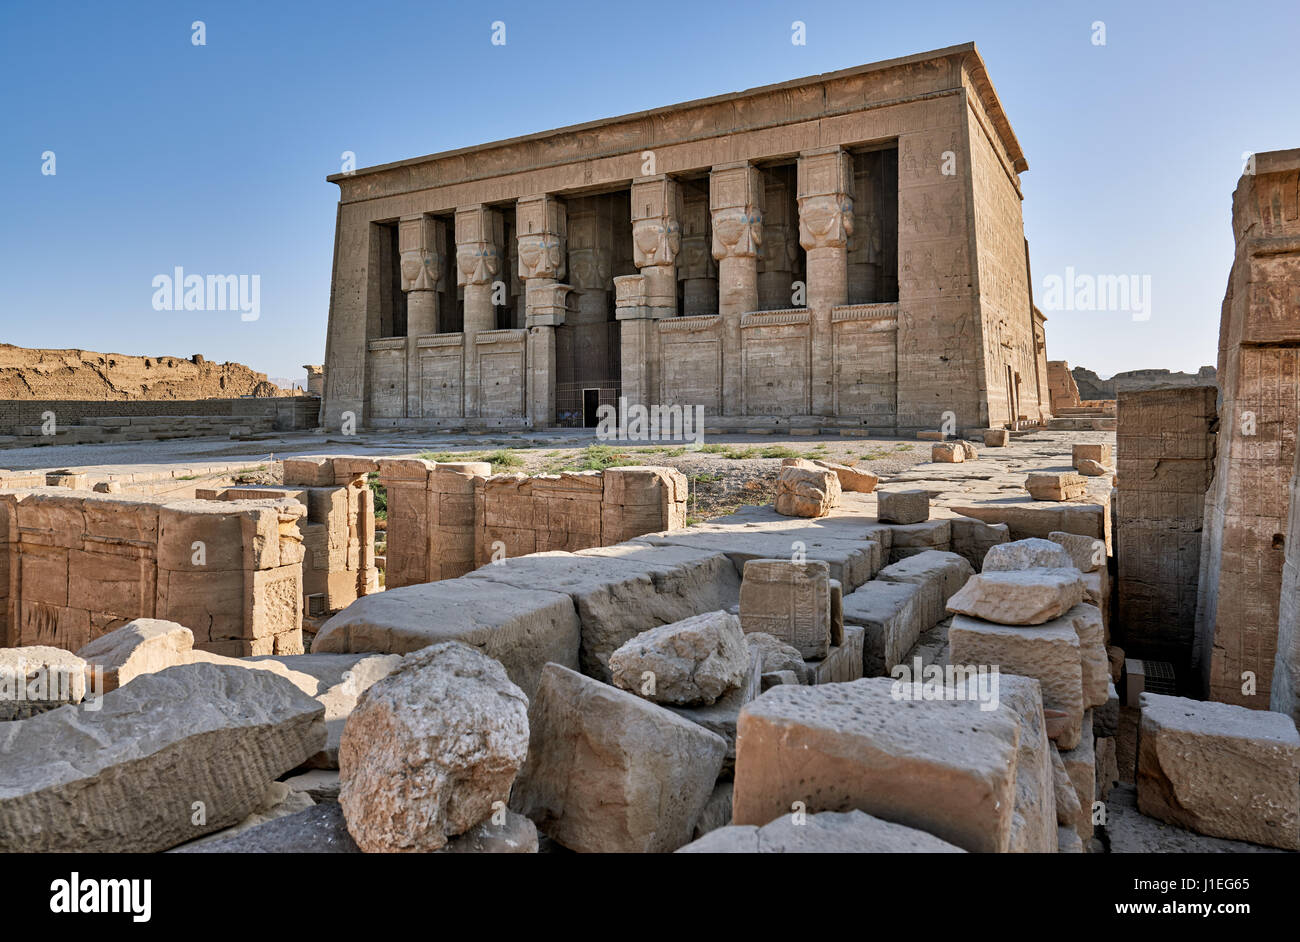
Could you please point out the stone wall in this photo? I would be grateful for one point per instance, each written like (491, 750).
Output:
(137, 420)
(445, 520)
(74, 566)
(1165, 462)
(1061, 387)
(1259, 376)
(1092, 386)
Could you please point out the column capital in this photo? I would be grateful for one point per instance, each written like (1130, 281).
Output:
(479, 234)
(736, 202)
(545, 302)
(540, 222)
(656, 220)
(825, 202)
(422, 244)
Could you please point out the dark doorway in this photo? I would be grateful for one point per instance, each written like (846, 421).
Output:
(590, 403)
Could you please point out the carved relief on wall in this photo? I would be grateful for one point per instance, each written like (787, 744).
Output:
(825, 221)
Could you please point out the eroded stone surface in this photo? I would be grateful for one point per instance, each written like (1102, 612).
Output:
(830, 832)
(1019, 597)
(691, 662)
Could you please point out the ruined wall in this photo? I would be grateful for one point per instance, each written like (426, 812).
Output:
(80, 565)
(1092, 386)
(1165, 462)
(1259, 374)
(114, 419)
(1285, 697)
(1061, 387)
(448, 519)
(29, 373)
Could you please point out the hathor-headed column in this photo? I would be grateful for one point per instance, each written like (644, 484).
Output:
(825, 223)
(642, 299)
(540, 225)
(736, 202)
(479, 234)
(422, 242)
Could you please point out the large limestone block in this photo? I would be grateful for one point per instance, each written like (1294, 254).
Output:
(37, 678)
(721, 717)
(909, 539)
(1032, 553)
(1132, 832)
(1055, 485)
(843, 662)
(521, 628)
(851, 479)
(853, 559)
(892, 618)
(609, 771)
(1019, 597)
(1092, 654)
(907, 506)
(1099, 452)
(1086, 552)
(939, 576)
(1220, 769)
(620, 591)
(126, 777)
(830, 832)
(1067, 797)
(342, 678)
(806, 492)
(947, 453)
(775, 655)
(1048, 652)
(430, 748)
(942, 766)
(1081, 768)
(141, 646)
(1090, 468)
(1033, 826)
(691, 662)
(790, 601)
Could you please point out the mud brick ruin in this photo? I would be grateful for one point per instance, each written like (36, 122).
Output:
(1074, 629)
(656, 257)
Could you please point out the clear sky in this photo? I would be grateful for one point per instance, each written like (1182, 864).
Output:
(214, 157)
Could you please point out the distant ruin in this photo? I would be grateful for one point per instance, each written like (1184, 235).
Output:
(1092, 386)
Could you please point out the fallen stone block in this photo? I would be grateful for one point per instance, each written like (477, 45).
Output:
(930, 435)
(1033, 825)
(1026, 554)
(1090, 468)
(1087, 553)
(947, 453)
(913, 538)
(37, 678)
(1066, 795)
(790, 601)
(141, 646)
(611, 772)
(806, 492)
(851, 479)
(892, 620)
(773, 678)
(1092, 654)
(1081, 768)
(692, 662)
(1220, 769)
(968, 450)
(279, 801)
(910, 506)
(1131, 832)
(1018, 597)
(1098, 452)
(853, 558)
(1055, 485)
(941, 766)
(996, 438)
(830, 832)
(620, 591)
(1048, 652)
(776, 656)
(939, 576)
(126, 777)
(522, 628)
(320, 784)
(430, 749)
(842, 663)
(720, 717)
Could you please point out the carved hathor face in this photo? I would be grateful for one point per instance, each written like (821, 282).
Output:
(655, 242)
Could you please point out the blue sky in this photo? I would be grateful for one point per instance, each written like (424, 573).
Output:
(214, 157)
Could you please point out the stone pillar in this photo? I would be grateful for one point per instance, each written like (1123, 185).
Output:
(478, 265)
(696, 269)
(638, 340)
(736, 203)
(541, 237)
(642, 299)
(422, 242)
(591, 245)
(776, 261)
(825, 223)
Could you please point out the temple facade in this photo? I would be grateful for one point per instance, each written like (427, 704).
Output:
(843, 251)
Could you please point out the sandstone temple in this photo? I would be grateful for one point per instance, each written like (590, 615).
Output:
(845, 250)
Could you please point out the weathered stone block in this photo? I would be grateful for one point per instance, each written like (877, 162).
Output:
(790, 601)
(911, 506)
(1019, 597)
(829, 832)
(691, 662)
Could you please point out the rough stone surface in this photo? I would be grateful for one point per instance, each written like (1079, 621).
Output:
(1131, 832)
(124, 778)
(775, 655)
(830, 832)
(142, 646)
(938, 575)
(430, 748)
(892, 618)
(1220, 769)
(1081, 767)
(692, 662)
(1055, 485)
(1067, 797)
(941, 766)
(851, 479)
(1087, 553)
(1019, 597)
(37, 678)
(317, 830)
(609, 771)
(1033, 825)
(1026, 554)
(790, 601)
(1087, 466)
(806, 492)
(947, 452)
(909, 506)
